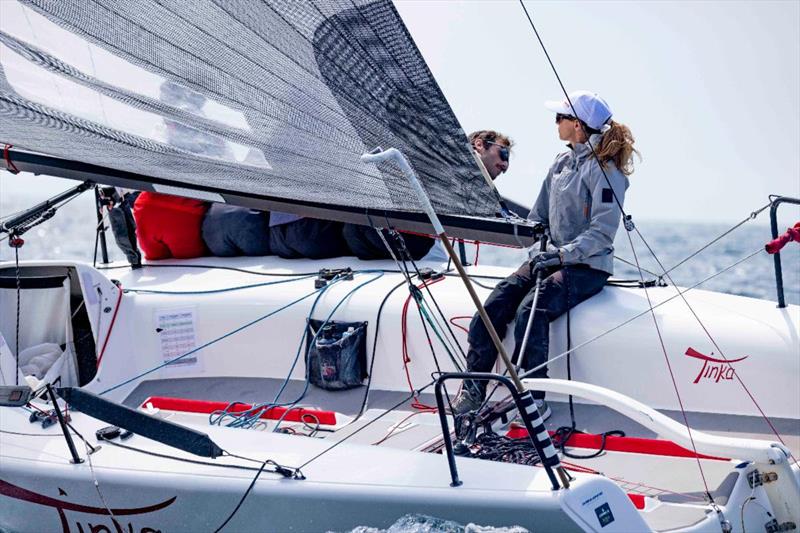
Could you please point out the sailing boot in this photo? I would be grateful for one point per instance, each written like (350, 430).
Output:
(544, 411)
(470, 398)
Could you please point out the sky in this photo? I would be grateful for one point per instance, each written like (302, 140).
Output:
(711, 91)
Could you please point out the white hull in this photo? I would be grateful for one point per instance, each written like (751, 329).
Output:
(629, 360)
(358, 482)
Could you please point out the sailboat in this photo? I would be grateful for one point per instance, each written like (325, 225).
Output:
(201, 395)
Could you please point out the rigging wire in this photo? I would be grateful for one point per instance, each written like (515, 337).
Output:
(629, 226)
(418, 300)
(433, 299)
(244, 496)
(752, 216)
(721, 353)
(209, 343)
(95, 482)
(362, 428)
(367, 387)
(646, 311)
(674, 382)
(19, 291)
(413, 291)
(629, 263)
(250, 417)
(100, 227)
(412, 288)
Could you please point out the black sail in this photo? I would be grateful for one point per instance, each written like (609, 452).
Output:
(265, 103)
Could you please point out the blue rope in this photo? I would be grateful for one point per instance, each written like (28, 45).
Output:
(209, 343)
(314, 338)
(249, 418)
(215, 291)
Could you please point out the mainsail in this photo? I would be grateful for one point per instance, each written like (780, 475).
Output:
(268, 104)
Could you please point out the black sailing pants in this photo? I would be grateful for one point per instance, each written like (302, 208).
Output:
(562, 289)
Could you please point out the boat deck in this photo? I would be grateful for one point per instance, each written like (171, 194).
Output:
(592, 419)
(644, 464)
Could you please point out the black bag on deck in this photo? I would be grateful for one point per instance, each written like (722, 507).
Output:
(337, 358)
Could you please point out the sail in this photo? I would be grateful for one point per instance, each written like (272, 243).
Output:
(262, 103)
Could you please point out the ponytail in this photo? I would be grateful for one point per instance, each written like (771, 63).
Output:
(617, 146)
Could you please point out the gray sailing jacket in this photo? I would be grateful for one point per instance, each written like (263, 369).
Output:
(577, 204)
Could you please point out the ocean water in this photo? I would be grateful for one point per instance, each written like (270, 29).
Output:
(419, 523)
(70, 235)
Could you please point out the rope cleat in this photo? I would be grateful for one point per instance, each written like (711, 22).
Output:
(46, 418)
(327, 274)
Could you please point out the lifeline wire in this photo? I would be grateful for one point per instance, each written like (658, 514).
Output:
(631, 319)
(752, 216)
(209, 343)
(714, 342)
(628, 227)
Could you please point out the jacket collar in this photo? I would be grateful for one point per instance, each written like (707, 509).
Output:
(581, 151)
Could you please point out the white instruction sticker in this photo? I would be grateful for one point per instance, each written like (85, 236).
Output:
(178, 336)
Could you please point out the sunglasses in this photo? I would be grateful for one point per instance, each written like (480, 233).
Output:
(503, 151)
(562, 116)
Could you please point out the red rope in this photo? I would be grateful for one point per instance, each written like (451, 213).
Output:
(416, 404)
(10, 166)
(459, 326)
(110, 327)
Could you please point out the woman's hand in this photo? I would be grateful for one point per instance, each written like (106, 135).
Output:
(546, 260)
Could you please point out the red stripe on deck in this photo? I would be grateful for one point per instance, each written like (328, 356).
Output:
(623, 444)
(327, 418)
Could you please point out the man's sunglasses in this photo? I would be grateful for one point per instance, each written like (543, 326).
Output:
(504, 153)
(562, 116)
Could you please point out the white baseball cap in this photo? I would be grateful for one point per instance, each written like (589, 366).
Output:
(589, 106)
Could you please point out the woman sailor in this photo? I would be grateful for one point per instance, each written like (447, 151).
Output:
(580, 201)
